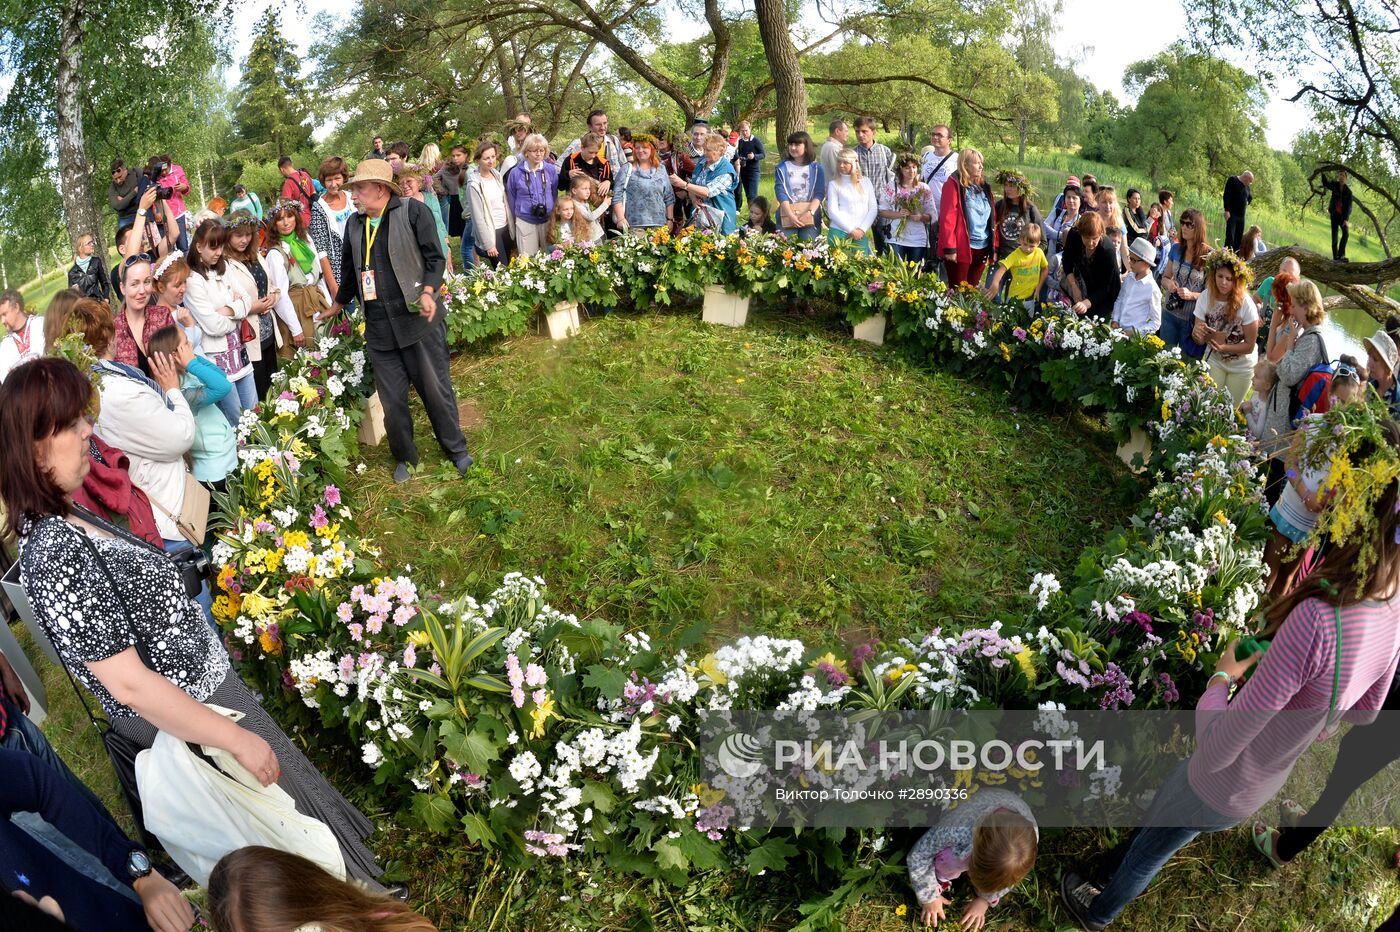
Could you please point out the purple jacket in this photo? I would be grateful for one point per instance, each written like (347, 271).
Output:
(525, 189)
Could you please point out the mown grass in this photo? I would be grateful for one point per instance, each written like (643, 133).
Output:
(777, 479)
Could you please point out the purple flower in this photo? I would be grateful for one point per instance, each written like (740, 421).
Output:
(861, 654)
(1133, 620)
(332, 496)
(318, 518)
(1019, 334)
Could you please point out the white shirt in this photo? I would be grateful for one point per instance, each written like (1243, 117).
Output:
(939, 174)
(850, 207)
(204, 295)
(23, 346)
(155, 432)
(1139, 305)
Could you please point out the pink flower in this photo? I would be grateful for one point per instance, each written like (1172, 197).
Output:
(286, 396)
(539, 696)
(535, 675)
(557, 253)
(318, 518)
(517, 696)
(404, 614)
(332, 496)
(1019, 334)
(345, 611)
(347, 668)
(357, 593)
(357, 632)
(375, 623)
(410, 656)
(263, 527)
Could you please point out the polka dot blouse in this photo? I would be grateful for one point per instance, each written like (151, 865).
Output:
(74, 602)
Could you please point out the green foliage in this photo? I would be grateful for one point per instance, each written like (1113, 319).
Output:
(271, 115)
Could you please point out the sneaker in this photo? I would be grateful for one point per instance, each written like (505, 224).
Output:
(401, 473)
(1078, 896)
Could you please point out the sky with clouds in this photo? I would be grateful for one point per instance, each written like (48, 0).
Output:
(1132, 29)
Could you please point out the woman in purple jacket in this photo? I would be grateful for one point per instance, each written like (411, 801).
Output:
(531, 184)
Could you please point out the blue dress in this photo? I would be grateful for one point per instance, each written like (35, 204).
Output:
(721, 180)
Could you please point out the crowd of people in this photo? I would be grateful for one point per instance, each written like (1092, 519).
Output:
(188, 328)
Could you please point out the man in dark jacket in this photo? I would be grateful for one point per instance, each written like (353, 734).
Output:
(1238, 195)
(393, 264)
(122, 193)
(748, 154)
(87, 274)
(1339, 212)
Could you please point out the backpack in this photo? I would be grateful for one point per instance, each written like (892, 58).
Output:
(1313, 394)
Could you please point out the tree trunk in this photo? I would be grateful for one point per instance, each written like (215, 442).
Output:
(79, 209)
(1025, 130)
(1354, 281)
(788, 84)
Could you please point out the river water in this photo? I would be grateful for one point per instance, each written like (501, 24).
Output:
(1344, 330)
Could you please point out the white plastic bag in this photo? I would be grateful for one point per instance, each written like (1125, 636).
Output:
(200, 813)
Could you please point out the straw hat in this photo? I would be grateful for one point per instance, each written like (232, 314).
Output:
(374, 170)
(1144, 250)
(1384, 347)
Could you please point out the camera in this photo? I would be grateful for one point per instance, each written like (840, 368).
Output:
(164, 194)
(194, 567)
(539, 212)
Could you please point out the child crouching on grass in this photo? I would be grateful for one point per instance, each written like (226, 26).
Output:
(992, 837)
(1294, 515)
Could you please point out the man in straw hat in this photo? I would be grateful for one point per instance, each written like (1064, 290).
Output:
(393, 264)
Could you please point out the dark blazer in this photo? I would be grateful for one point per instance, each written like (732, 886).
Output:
(746, 147)
(1339, 205)
(92, 283)
(1237, 195)
(416, 259)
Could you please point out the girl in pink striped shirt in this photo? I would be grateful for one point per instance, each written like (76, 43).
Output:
(1336, 642)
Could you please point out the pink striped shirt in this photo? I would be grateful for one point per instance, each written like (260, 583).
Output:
(1244, 753)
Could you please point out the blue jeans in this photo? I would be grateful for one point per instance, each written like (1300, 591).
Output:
(243, 397)
(1174, 330)
(806, 234)
(468, 246)
(24, 735)
(205, 600)
(914, 254)
(1153, 845)
(182, 240)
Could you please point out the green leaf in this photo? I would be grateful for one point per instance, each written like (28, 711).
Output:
(473, 750)
(478, 831)
(599, 796)
(608, 680)
(773, 854)
(722, 476)
(669, 856)
(703, 854)
(488, 682)
(435, 812)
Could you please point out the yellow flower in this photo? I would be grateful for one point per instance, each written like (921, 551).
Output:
(270, 645)
(739, 381)
(901, 910)
(709, 666)
(540, 716)
(1166, 412)
(1005, 351)
(257, 605)
(295, 539)
(830, 659)
(418, 638)
(225, 578)
(707, 796)
(1155, 342)
(1026, 662)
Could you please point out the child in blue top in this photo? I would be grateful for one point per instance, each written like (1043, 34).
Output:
(215, 451)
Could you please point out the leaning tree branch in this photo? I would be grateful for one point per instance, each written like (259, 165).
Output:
(760, 94)
(1360, 284)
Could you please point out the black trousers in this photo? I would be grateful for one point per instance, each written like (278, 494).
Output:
(1363, 754)
(1339, 249)
(1234, 231)
(503, 250)
(265, 368)
(424, 365)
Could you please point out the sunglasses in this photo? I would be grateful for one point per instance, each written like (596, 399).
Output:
(1187, 224)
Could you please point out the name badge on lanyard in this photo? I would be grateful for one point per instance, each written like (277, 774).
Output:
(368, 290)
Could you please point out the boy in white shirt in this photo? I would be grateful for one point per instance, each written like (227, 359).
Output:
(1139, 305)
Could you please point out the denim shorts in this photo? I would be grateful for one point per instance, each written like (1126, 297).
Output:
(1284, 527)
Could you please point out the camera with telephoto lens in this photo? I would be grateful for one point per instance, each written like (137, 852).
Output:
(539, 212)
(193, 565)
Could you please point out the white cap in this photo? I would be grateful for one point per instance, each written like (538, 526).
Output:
(1144, 250)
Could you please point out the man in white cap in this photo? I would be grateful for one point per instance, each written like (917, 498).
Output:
(1382, 359)
(393, 264)
(1138, 308)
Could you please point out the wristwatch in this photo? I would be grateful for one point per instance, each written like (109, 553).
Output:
(138, 864)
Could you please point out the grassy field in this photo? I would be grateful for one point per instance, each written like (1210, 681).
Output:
(780, 478)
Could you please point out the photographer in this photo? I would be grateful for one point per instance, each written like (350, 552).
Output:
(154, 221)
(117, 611)
(530, 188)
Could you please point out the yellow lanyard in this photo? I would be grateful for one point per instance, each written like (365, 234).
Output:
(371, 231)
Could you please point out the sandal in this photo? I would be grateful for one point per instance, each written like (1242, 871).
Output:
(1290, 814)
(1265, 840)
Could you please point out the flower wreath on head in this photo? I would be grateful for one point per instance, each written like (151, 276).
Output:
(284, 203)
(645, 139)
(1017, 180)
(1225, 257)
